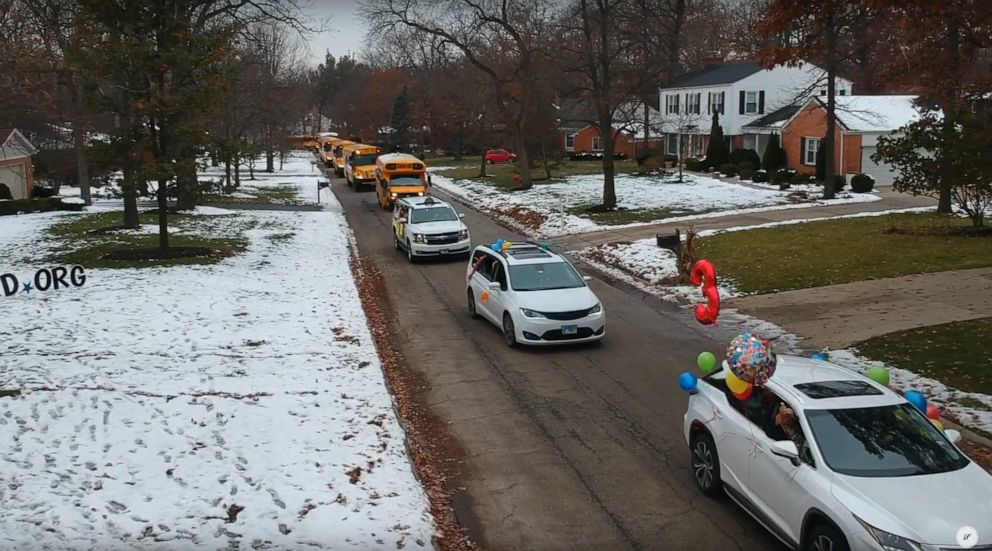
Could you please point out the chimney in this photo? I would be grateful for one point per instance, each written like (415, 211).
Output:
(713, 60)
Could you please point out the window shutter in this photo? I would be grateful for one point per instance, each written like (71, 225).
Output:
(802, 151)
(709, 103)
(723, 101)
(676, 96)
(761, 102)
(741, 106)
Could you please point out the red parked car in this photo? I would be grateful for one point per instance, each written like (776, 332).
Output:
(499, 156)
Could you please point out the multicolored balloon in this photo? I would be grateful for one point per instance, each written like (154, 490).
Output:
(706, 362)
(751, 359)
(688, 382)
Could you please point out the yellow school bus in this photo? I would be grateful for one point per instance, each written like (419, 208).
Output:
(311, 143)
(399, 175)
(359, 165)
(337, 163)
(326, 150)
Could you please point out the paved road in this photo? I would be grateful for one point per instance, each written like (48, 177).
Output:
(572, 448)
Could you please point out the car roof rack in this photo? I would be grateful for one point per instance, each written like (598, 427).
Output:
(525, 250)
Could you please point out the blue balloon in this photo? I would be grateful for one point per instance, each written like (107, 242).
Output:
(494, 246)
(819, 357)
(917, 398)
(688, 382)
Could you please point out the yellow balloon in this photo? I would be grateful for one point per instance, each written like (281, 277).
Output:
(937, 423)
(736, 385)
(507, 245)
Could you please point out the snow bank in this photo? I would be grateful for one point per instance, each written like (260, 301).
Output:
(239, 405)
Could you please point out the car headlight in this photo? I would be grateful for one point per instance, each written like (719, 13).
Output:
(531, 313)
(419, 238)
(596, 309)
(420, 194)
(463, 235)
(392, 196)
(889, 542)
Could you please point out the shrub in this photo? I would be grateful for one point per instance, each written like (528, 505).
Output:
(862, 183)
(36, 205)
(717, 152)
(42, 191)
(5, 192)
(800, 178)
(745, 174)
(672, 159)
(728, 169)
(774, 157)
(760, 176)
(839, 182)
(781, 178)
(693, 164)
(746, 165)
(739, 156)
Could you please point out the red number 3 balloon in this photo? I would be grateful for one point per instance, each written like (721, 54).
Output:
(703, 273)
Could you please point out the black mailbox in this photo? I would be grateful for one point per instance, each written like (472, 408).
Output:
(670, 242)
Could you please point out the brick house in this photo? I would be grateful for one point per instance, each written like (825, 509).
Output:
(578, 133)
(16, 168)
(861, 120)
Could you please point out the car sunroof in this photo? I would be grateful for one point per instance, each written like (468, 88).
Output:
(837, 389)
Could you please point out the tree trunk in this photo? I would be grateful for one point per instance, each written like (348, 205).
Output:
(270, 154)
(647, 130)
(163, 214)
(828, 140)
(130, 191)
(609, 171)
(214, 158)
(251, 167)
(237, 172)
(187, 185)
(523, 160)
(544, 160)
(82, 164)
(228, 188)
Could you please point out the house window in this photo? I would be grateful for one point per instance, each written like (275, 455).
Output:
(843, 92)
(597, 143)
(692, 103)
(716, 103)
(750, 103)
(672, 104)
(569, 142)
(672, 144)
(810, 147)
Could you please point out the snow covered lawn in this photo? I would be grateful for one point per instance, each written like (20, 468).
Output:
(558, 208)
(239, 405)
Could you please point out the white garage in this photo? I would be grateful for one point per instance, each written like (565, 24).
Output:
(872, 117)
(883, 173)
(15, 163)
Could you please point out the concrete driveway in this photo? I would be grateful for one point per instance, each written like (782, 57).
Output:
(570, 448)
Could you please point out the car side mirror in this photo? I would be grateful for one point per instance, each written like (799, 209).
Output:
(786, 449)
(953, 435)
(586, 278)
(461, 215)
(495, 286)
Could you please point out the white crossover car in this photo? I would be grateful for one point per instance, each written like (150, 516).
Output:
(425, 226)
(862, 469)
(534, 295)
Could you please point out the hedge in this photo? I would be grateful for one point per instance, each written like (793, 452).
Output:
(47, 204)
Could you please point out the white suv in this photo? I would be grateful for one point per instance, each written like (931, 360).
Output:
(425, 226)
(534, 295)
(862, 470)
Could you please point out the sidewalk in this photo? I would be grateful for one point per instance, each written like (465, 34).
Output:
(840, 315)
(891, 200)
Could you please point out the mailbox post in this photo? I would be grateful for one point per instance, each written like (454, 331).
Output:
(321, 184)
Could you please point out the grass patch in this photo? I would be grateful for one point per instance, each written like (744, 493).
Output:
(957, 354)
(624, 216)
(501, 175)
(282, 194)
(282, 236)
(85, 240)
(829, 252)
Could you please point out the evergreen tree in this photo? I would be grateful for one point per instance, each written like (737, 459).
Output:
(774, 157)
(400, 122)
(717, 152)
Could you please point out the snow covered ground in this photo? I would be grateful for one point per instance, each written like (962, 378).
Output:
(697, 197)
(239, 405)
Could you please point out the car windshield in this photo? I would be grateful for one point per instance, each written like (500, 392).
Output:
(433, 214)
(405, 181)
(882, 441)
(362, 160)
(544, 277)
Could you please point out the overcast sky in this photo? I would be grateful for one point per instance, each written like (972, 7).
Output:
(345, 33)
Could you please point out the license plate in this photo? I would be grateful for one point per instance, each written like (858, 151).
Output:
(444, 251)
(569, 329)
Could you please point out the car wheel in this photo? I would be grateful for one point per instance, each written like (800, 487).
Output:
(471, 305)
(824, 537)
(705, 464)
(509, 332)
(489, 161)
(396, 242)
(409, 253)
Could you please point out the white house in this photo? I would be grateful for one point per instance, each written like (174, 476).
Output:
(742, 92)
(16, 168)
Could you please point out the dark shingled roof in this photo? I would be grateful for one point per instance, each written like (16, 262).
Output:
(778, 115)
(723, 73)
